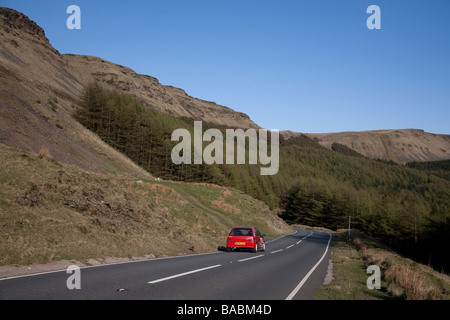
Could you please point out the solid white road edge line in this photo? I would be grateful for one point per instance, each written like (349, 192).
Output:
(300, 285)
(183, 274)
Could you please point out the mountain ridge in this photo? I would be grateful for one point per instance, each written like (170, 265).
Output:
(398, 145)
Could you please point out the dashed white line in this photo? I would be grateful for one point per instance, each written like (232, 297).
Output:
(242, 260)
(309, 235)
(108, 264)
(184, 274)
(282, 237)
(277, 251)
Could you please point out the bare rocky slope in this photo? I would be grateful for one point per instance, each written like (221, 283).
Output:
(397, 145)
(39, 88)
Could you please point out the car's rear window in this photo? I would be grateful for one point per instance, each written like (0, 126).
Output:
(241, 232)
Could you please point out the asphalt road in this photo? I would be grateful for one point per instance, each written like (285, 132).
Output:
(292, 267)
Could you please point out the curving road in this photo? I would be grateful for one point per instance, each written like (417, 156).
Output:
(292, 267)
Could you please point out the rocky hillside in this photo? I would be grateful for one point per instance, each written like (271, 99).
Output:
(39, 88)
(65, 194)
(151, 93)
(397, 145)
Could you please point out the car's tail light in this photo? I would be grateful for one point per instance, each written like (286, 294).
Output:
(251, 240)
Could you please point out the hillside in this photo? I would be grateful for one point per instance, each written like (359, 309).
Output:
(39, 88)
(51, 211)
(401, 146)
(80, 198)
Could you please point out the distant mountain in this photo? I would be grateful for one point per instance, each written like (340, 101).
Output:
(400, 146)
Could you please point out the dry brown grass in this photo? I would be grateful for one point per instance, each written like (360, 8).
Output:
(408, 281)
(221, 202)
(44, 153)
(405, 278)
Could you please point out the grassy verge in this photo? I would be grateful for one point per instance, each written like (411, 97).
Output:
(401, 278)
(349, 274)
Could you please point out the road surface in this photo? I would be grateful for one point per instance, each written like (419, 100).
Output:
(291, 268)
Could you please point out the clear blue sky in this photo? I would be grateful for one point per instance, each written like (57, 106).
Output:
(307, 66)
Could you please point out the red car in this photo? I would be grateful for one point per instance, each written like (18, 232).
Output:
(246, 237)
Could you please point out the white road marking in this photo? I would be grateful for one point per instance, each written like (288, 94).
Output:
(277, 251)
(300, 285)
(305, 237)
(184, 274)
(106, 264)
(290, 246)
(309, 235)
(242, 260)
(281, 237)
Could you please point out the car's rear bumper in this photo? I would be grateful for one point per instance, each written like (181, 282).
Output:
(240, 244)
